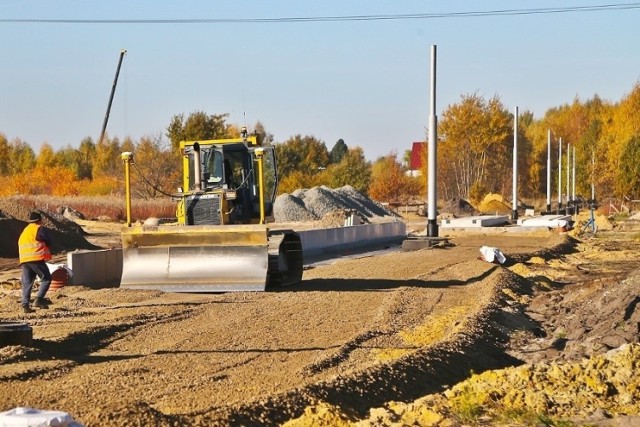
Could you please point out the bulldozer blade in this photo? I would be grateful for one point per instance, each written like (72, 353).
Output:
(195, 258)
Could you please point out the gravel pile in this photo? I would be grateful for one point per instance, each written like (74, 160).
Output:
(315, 203)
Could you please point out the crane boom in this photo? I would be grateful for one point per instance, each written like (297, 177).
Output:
(113, 90)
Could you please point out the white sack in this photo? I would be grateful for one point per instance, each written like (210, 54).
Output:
(492, 254)
(29, 417)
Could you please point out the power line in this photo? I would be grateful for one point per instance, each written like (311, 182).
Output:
(488, 13)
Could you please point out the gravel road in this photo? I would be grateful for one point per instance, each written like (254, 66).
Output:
(359, 332)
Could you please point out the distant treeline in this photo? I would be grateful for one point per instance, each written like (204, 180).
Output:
(475, 149)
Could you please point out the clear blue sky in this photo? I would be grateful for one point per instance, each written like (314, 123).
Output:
(366, 82)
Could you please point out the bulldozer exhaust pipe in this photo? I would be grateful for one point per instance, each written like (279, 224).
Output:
(197, 172)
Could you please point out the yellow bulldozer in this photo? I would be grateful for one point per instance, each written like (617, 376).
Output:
(221, 241)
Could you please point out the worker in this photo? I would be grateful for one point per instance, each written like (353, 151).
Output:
(33, 248)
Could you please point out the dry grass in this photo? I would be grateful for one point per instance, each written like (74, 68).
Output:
(100, 207)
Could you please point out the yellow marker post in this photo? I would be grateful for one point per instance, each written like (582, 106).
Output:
(127, 157)
(259, 157)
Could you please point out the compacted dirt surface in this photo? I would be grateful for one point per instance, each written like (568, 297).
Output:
(355, 336)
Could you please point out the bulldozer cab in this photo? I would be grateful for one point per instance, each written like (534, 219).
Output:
(223, 183)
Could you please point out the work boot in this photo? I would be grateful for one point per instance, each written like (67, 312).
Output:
(27, 309)
(40, 303)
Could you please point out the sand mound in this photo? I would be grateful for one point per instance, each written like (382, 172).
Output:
(494, 204)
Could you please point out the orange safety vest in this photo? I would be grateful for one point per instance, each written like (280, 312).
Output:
(31, 249)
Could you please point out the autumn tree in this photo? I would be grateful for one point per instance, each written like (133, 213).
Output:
(85, 157)
(298, 179)
(307, 156)
(474, 145)
(108, 158)
(621, 124)
(66, 157)
(389, 181)
(353, 169)
(571, 122)
(264, 137)
(628, 178)
(156, 169)
(21, 159)
(128, 145)
(406, 157)
(46, 157)
(5, 155)
(198, 125)
(535, 182)
(338, 151)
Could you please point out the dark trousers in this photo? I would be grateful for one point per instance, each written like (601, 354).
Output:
(31, 270)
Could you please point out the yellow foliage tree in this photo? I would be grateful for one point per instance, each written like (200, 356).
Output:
(620, 126)
(352, 169)
(474, 146)
(298, 179)
(46, 157)
(101, 186)
(157, 170)
(389, 182)
(56, 181)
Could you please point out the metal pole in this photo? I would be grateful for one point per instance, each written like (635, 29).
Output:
(514, 209)
(573, 183)
(568, 204)
(593, 175)
(113, 90)
(559, 174)
(549, 171)
(432, 197)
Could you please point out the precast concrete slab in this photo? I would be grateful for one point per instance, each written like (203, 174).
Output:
(475, 221)
(551, 221)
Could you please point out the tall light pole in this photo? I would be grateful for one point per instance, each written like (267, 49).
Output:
(432, 191)
(559, 174)
(567, 209)
(549, 171)
(514, 208)
(573, 184)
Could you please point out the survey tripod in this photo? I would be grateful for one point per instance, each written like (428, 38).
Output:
(591, 224)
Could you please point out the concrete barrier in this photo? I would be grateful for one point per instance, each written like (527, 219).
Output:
(328, 240)
(103, 268)
(95, 268)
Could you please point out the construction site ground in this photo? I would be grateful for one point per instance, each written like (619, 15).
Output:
(355, 336)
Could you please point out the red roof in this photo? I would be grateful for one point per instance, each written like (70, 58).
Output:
(418, 155)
